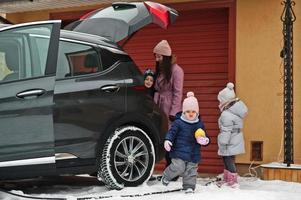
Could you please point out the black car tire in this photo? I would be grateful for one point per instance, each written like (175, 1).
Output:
(127, 159)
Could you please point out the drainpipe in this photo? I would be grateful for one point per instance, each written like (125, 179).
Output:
(288, 17)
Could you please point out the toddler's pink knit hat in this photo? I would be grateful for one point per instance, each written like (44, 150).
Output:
(190, 103)
(162, 48)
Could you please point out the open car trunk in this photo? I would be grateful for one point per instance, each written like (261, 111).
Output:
(121, 20)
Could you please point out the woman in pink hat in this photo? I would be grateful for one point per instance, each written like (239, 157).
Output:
(169, 82)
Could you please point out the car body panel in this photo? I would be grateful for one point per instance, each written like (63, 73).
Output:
(58, 120)
(26, 103)
(83, 109)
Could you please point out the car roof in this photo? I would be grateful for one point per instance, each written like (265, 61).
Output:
(83, 37)
(4, 25)
(89, 38)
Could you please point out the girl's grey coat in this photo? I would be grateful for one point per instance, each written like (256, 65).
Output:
(230, 138)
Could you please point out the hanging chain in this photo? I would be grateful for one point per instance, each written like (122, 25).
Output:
(288, 17)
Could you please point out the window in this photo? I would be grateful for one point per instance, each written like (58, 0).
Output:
(110, 56)
(256, 150)
(23, 52)
(76, 59)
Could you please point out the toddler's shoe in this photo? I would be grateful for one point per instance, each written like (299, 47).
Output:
(152, 178)
(189, 191)
(164, 181)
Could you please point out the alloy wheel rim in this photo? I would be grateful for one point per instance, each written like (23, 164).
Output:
(131, 158)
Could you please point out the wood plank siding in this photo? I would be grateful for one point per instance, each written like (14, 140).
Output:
(200, 40)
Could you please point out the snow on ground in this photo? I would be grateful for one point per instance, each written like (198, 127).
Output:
(250, 189)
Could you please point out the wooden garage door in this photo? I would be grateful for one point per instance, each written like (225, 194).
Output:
(200, 40)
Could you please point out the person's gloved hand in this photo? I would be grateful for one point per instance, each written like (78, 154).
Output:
(167, 145)
(202, 140)
(172, 118)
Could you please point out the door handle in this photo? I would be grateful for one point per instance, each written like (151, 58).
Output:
(110, 88)
(31, 93)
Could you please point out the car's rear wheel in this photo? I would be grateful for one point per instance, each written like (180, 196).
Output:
(127, 159)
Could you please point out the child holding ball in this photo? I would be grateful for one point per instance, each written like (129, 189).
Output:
(183, 142)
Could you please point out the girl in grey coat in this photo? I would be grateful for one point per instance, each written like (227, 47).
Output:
(230, 138)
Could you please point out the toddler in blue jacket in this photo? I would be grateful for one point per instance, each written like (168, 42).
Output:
(184, 145)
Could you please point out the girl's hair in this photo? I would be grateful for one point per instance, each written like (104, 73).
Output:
(148, 72)
(164, 68)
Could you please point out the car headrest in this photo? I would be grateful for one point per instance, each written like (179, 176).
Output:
(91, 61)
(12, 61)
(11, 56)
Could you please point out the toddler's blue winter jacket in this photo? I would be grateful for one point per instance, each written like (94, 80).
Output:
(184, 145)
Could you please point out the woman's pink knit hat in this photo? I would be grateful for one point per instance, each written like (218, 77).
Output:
(190, 103)
(162, 48)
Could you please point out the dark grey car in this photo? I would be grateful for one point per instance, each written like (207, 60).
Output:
(73, 103)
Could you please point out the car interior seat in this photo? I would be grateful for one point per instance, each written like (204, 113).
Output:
(12, 62)
(91, 62)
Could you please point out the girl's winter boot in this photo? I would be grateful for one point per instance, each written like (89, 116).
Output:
(232, 180)
(225, 179)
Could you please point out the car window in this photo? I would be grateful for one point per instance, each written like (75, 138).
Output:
(110, 56)
(23, 52)
(76, 59)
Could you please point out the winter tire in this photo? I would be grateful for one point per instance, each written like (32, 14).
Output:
(127, 159)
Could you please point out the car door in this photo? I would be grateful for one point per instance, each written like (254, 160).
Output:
(89, 95)
(28, 55)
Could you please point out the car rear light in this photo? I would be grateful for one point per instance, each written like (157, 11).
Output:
(159, 12)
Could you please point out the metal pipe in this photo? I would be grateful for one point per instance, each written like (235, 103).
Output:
(288, 17)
